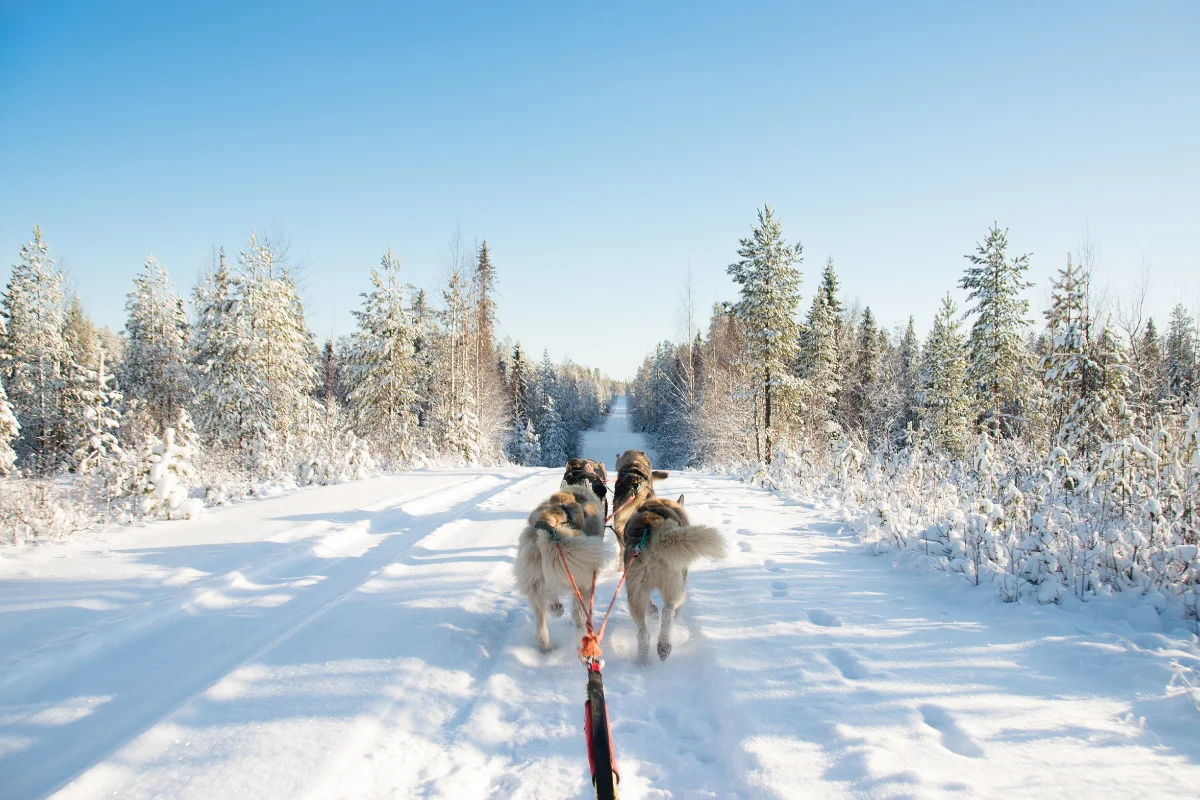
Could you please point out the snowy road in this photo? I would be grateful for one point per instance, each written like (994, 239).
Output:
(364, 641)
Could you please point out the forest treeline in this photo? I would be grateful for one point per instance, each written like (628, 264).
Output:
(1052, 454)
(229, 393)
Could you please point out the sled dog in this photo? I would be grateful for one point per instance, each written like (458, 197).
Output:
(585, 472)
(635, 485)
(573, 517)
(659, 546)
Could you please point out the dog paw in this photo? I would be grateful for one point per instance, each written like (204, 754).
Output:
(664, 650)
(556, 608)
(545, 644)
(652, 610)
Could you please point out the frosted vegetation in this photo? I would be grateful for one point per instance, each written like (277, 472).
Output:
(230, 395)
(1054, 459)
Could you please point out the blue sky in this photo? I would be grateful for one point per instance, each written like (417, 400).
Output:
(600, 149)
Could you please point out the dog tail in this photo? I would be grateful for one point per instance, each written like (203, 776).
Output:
(682, 545)
(584, 554)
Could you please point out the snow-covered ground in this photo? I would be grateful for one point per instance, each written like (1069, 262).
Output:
(364, 640)
(613, 436)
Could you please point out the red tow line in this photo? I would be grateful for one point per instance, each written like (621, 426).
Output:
(595, 727)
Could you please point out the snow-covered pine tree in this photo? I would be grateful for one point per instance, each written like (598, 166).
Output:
(231, 398)
(553, 435)
(945, 407)
(97, 449)
(10, 429)
(1148, 374)
(1105, 412)
(425, 359)
(995, 283)
(867, 377)
(1180, 356)
(380, 366)
(770, 297)
(820, 360)
(282, 350)
(455, 390)
(81, 336)
(34, 352)
(159, 483)
(76, 400)
(519, 370)
(908, 376)
(1066, 365)
(525, 448)
(156, 370)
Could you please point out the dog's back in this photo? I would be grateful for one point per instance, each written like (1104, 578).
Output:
(634, 486)
(586, 472)
(571, 511)
(660, 528)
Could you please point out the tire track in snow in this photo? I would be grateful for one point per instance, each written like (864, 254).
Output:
(62, 754)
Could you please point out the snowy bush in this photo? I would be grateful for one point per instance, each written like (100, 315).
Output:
(1036, 529)
(160, 480)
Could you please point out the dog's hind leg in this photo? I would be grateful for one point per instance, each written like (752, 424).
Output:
(639, 600)
(664, 630)
(556, 608)
(673, 595)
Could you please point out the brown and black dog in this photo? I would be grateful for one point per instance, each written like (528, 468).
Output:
(572, 518)
(659, 545)
(585, 472)
(635, 485)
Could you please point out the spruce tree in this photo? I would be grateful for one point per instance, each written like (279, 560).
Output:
(1066, 364)
(908, 375)
(1180, 357)
(380, 365)
(97, 448)
(483, 286)
(867, 377)
(554, 436)
(231, 397)
(10, 429)
(820, 362)
(994, 282)
(519, 384)
(945, 406)
(1148, 373)
(770, 297)
(282, 350)
(35, 352)
(156, 371)
(425, 358)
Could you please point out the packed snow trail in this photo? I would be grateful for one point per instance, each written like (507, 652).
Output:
(613, 437)
(364, 640)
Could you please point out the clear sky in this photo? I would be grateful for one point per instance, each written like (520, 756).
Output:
(602, 148)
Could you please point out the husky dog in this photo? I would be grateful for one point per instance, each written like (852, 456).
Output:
(585, 472)
(659, 546)
(572, 517)
(635, 485)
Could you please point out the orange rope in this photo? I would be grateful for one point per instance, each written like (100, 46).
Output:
(589, 646)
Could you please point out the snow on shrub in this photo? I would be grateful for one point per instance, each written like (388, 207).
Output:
(1035, 528)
